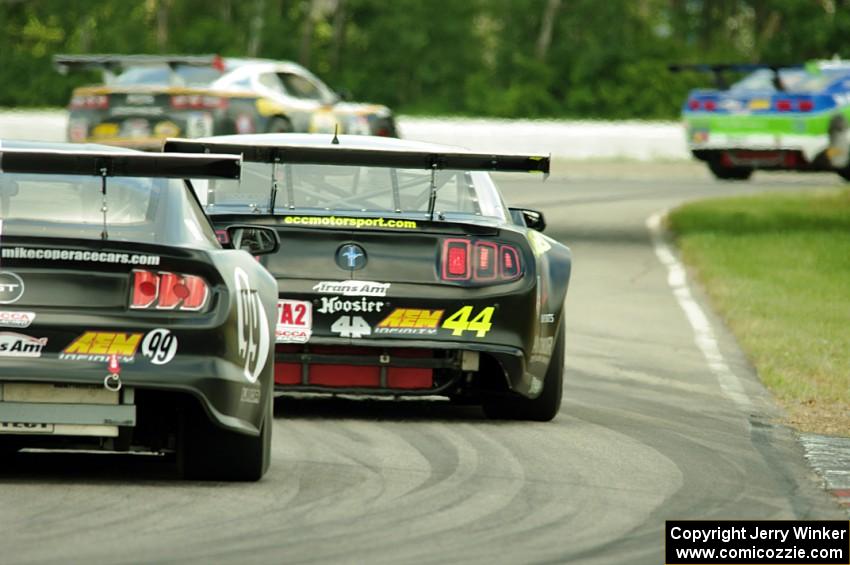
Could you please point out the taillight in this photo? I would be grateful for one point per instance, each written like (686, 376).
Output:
(783, 105)
(197, 102)
(479, 261)
(168, 291)
(805, 105)
(89, 102)
(693, 104)
(710, 105)
(456, 260)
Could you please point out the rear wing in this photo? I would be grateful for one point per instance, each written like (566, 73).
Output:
(111, 65)
(719, 71)
(340, 155)
(109, 164)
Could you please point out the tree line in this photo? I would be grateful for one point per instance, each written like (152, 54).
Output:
(506, 58)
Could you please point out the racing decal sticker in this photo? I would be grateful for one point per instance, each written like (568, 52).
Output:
(160, 346)
(253, 327)
(334, 304)
(294, 321)
(98, 346)
(80, 256)
(25, 428)
(11, 287)
(410, 321)
(465, 320)
(250, 395)
(351, 326)
(20, 345)
(10, 319)
(352, 288)
(343, 222)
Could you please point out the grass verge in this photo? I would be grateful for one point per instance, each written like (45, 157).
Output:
(777, 268)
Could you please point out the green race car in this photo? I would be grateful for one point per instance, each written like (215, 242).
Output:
(775, 118)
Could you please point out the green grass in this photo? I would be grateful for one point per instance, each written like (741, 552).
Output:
(777, 267)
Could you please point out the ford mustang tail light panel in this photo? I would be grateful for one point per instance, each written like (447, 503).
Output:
(479, 261)
(168, 291)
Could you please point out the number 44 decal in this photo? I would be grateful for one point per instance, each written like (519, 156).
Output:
(351, 326)
(460, 322)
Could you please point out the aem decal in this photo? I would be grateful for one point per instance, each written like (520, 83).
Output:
(294, 321)
(97, 346)
(10, 319)
(80, 256)
(410, 321)
(352, 288)
(334, 304)
(20, 345)
(464, 321)
(253, 327)
(344, 222)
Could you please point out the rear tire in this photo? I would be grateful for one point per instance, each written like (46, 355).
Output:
(723, 172)
(543, 408)
(210, 453)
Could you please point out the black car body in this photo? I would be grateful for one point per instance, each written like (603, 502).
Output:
(124, 325)
(401, 271)
(147, 98)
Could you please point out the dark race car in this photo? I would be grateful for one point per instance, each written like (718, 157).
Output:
(401, 271)
(124, 325)
(147, 98)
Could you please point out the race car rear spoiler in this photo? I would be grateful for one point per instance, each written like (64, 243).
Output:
(340, 155)
(109, 164)
(719, 71)
(112, 63)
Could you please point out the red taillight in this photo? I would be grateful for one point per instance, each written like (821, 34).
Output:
(483, 261)
(89, 102)
(805, 105)
(710, 105)
(223, 237)
(693, 104)
(197, 102)
(456, 260)
(168, 291)
(486, 263)
(783, 105)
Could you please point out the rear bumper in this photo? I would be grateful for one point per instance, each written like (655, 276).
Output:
(704, 143)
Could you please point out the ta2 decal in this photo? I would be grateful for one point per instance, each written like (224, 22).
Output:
(294, 321)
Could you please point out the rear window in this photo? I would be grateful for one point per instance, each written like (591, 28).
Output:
(72, 206)
(356, 189)
(162, 75)
(793, 80)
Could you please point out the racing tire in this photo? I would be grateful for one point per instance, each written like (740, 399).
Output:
(210, 453)
(541, 409)
(722, 172)
(279, 125)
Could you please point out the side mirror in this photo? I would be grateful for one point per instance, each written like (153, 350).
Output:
(530, 218)
(256, 240)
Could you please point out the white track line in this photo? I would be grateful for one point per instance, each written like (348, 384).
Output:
(730, 384)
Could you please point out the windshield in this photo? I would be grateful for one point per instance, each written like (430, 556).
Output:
(793, 80)
(357, 189)
(162, 75)
(137, 209)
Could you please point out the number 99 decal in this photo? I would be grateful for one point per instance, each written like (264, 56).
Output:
(159, 346)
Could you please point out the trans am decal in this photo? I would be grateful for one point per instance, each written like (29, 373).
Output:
(343, 222)
(19, 345)
(352, 288)
(253, 327)
(79, 255)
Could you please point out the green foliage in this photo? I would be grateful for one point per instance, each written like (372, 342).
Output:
(473, 57)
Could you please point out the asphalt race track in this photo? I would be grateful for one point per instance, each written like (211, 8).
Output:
(646, 433)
